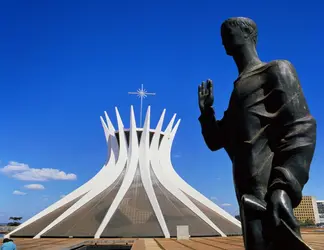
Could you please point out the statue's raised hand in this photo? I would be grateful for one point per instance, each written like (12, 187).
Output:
(205, 95)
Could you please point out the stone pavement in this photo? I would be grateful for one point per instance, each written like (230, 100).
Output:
(315, 240)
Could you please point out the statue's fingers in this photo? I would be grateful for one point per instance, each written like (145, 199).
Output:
(202, 88)
(199, 90)
(210, 85)
(205, 90)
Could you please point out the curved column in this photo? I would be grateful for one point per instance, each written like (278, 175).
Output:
(110, 129)
(185, 187)
(129, 175)
(171, 183)
(144, 163)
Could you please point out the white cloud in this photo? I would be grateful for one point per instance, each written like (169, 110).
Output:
(62, 196)
(14, 167)
(213, 198)
(226, 205)
(43, 174)
(35, 186)
(16, 192)
(21, 171)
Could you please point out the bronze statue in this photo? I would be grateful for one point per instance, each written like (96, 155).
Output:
(269, 135)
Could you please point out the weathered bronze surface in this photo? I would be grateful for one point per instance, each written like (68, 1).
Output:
(269, 135)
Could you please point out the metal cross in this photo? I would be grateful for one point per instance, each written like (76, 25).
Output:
(141, 93)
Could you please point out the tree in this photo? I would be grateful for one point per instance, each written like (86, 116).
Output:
(15, 218)
(309, 222)
(306, 223)
(15, 221)
(238, 217)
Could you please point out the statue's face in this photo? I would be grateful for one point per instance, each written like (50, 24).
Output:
(232, 39)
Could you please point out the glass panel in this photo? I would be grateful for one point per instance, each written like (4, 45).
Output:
(134, 216)
(223, 224)
(86, 220)
(176, 213)
(34, 228)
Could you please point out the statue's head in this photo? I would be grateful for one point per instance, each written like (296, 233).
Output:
(238, 32)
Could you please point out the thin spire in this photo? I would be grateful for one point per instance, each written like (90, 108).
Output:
(141, 93)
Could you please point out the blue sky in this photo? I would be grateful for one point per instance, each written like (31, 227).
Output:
(63, 63)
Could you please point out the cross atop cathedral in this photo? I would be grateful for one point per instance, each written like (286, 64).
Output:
(141, 93)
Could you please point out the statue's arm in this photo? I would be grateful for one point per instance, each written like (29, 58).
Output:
(212, 129)
(294, 132)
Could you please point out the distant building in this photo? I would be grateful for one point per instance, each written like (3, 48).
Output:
(320, 208)
(307, 210)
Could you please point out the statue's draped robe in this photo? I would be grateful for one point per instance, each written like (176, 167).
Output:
(267, 131)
